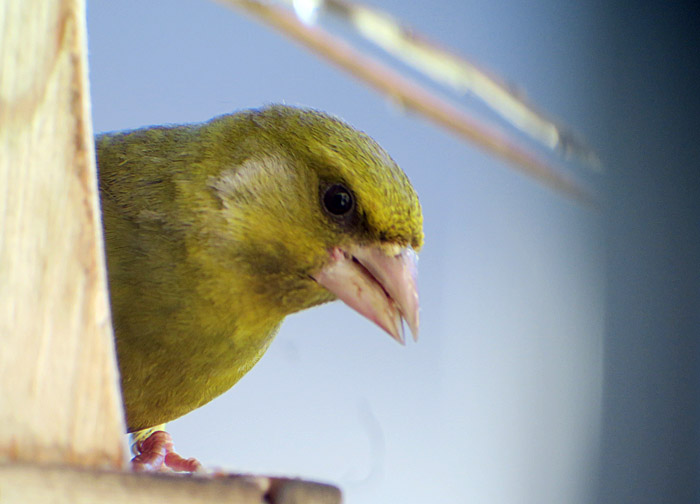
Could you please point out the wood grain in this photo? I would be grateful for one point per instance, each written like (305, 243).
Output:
(59, 394)
(29, 484)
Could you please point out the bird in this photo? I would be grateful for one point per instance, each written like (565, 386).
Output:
(216, 231)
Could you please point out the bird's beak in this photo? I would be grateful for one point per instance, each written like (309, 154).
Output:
(379, 282)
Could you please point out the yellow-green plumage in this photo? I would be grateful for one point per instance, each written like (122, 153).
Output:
(213, 232)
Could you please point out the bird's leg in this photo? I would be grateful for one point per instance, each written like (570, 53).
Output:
(157, 453)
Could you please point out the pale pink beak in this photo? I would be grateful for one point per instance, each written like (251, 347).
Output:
(379, 282)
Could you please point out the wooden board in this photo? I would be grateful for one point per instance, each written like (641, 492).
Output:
(29, 484)
(59, 394)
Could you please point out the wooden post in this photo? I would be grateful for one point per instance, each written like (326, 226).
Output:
(61, 419)
(59, 393)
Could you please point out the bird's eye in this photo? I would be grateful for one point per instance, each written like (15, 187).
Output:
(338, 200)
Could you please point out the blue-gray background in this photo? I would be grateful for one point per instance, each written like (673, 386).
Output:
(558, 360)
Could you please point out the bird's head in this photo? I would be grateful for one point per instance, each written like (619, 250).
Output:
(314, 210)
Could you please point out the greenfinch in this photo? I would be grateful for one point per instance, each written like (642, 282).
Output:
(215, 232)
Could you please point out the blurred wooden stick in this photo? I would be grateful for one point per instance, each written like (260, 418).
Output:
(459, 74)
(412, 96)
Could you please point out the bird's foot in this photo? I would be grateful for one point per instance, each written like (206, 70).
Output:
(157, 453)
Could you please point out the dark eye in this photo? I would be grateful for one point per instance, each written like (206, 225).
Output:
(338, 200)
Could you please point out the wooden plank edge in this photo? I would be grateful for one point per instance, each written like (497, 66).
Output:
(55, 484)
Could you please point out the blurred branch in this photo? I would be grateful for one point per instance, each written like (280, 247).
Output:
(457, 73)
(412, 96)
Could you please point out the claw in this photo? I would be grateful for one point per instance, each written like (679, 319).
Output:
(157, 453)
